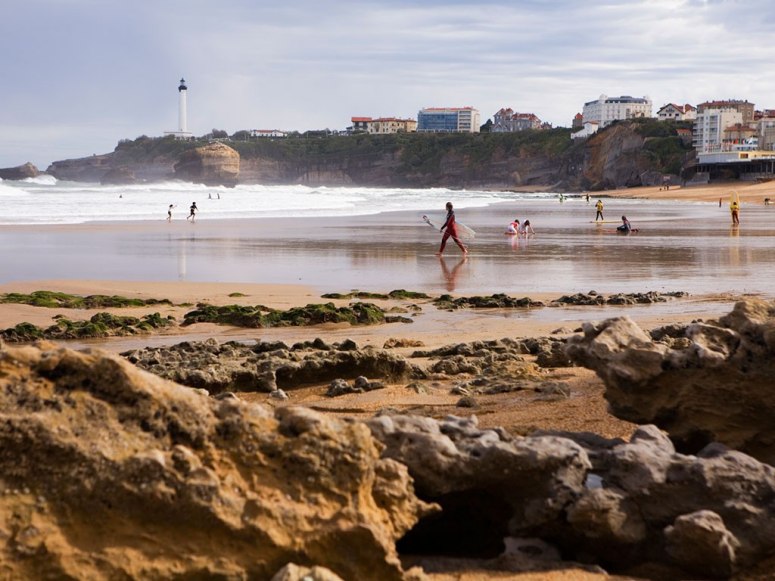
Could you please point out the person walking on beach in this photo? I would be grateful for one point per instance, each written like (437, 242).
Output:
(734, 207)
(193, 210)
(450, 229)
(599, 208)
(169, 212)
(587, 197)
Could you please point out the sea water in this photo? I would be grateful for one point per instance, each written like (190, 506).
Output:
(46, 200)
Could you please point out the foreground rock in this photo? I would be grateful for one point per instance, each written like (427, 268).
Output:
(701, 383)
(213, 164)
(625, 506)
(110, 472)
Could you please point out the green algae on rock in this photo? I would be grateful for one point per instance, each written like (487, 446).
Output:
(57, 300)
(394, 294)
(260, 316)
(100, 325)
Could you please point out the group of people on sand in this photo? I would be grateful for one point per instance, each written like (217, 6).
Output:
(192, 212)
(517, 229)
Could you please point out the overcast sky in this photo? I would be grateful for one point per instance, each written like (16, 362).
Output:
(79, 75)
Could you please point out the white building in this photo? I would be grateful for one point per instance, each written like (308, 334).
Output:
(589, 128)
(267, 133)
(708, 135)
(673, 112)
(606, 110)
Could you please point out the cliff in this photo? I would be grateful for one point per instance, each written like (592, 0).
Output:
(639, 152)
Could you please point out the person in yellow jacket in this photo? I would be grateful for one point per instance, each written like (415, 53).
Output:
(734, 207)
(599, 208)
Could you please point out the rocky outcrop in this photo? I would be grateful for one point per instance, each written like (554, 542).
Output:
(266, 366)
(109, 472)
(86, 169)
(706, 382)
(621, 505)
(213, 164)
(21, 172)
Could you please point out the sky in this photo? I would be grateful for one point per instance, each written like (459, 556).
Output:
(80, 75)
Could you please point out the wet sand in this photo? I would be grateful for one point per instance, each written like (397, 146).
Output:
(681, 245)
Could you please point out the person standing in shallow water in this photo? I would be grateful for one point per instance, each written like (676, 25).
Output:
(599, 208)
(450, 229)
(734, 207)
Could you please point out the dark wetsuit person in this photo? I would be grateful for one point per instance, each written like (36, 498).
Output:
(450, 229)
(626, 227)
(193, 210)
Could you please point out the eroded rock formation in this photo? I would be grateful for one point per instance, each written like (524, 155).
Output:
(107, 471)
(706, 382)
(212, 164)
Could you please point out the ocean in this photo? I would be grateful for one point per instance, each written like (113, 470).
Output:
(45, 200)
(337, 239)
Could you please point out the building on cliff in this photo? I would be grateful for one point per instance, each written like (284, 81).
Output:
(589, 128)
(382, 125)
(673, 112)
(606, 110)
(448, 120)
(507, 121)
(264, 133)
(745, 108)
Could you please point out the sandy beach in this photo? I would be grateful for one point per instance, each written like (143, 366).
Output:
(685, 244)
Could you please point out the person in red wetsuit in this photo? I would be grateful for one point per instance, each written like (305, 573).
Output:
(450, 229)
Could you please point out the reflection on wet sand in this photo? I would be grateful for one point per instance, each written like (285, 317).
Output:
(680, 246)
(450, 276)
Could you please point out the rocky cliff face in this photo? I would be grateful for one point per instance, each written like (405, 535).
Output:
(212, 164)
(615, 157)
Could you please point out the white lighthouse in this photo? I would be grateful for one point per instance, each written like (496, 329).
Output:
(182, 91)
(182, 132)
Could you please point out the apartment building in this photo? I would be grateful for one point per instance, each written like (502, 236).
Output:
(745, 108)
(382, 125)
(710, 125)
(605, 110)
(673, 112)
(507, 121)
(448, 120)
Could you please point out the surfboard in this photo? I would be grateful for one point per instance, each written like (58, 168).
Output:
(463, 231)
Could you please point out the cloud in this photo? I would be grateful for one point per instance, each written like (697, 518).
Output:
(108, 69)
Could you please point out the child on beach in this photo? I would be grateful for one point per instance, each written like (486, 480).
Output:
(169, 212)
(513, 228)
(193, 210)
(450, 229)
(527, 228)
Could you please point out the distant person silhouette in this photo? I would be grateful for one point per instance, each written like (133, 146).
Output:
(193, 210)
